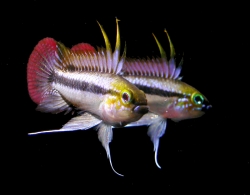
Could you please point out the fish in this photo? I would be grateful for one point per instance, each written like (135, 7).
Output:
(85, 80)
(167, 95)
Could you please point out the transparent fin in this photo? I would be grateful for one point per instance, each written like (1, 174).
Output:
(146, 119)
(82, 122)
(155, 131)
(105, 135)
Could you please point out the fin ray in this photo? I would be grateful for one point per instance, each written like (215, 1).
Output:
(159, 67)
(40, 67)
(155, 131)
(146, 120)
(105, 135)
(82, 122)
(54, 103)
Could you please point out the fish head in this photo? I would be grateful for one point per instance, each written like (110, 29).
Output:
(191, 104)
(126, 104)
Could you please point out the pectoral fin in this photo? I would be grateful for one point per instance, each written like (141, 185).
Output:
(105, 135)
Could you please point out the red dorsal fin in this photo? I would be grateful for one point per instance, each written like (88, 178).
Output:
(83, 47)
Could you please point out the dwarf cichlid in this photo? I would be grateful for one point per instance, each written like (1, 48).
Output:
(83, 79)
(167, 95)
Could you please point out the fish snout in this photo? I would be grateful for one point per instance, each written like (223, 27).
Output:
(206, 106)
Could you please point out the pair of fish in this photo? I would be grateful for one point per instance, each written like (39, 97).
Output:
(110, 90)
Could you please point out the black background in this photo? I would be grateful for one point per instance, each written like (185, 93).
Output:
(199, 156)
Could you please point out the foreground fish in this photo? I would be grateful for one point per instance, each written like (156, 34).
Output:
(167, 95)
(62, 80)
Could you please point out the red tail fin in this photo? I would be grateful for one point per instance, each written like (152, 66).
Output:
(40, 67)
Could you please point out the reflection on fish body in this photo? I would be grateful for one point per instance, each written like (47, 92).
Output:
(63, 80)
(167, 95)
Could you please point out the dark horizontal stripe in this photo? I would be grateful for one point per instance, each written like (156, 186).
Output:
(159, 92)
(79, 85)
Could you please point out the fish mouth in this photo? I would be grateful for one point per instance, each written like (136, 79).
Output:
(142, 109)
(206, 107)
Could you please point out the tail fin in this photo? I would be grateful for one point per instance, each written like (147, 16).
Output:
(40, 68)
(40, 73)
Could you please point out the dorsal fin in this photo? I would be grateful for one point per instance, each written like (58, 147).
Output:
(86, 47)
(84, 57)
(159, 67)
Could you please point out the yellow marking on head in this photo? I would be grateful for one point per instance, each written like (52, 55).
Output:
(112, 101)
(119, 89)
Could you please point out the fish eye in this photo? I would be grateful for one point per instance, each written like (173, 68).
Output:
(197, 98)
(126, 96)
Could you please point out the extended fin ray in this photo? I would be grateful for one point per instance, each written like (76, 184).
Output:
(172, 50)
(159, 67)
(155, 131)
(105, 135)
(108, 48)
(162, 52)
(84, 57)
(82, 122)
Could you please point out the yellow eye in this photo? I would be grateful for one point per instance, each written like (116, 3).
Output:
(197, 98)
(126, 96)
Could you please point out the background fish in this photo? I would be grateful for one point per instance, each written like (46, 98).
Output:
(63, 80)
(167, 95)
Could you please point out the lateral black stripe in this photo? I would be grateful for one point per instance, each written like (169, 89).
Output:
(80, 85)
(159, 92)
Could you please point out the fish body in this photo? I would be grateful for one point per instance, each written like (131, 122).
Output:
(63, 80)
(168, 97)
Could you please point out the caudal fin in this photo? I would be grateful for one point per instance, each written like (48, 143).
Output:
(40, 67)
(40, 74)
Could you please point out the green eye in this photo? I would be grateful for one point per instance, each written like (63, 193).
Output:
(126, 96)
(197, 98)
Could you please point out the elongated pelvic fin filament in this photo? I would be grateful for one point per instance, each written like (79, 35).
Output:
(156, 154)
(109, 157)
(53, 131)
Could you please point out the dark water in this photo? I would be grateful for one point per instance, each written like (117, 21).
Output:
(208, 155)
